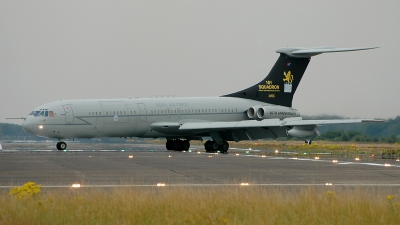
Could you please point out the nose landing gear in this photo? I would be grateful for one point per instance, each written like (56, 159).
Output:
(61, 145)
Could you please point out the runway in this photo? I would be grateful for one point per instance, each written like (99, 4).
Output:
(150, 165)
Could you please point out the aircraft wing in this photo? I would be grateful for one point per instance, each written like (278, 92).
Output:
(267, 128)
(289, 122)
(230, 125)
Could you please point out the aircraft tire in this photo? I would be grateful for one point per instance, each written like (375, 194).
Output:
(207, 146)
(224, 147)
(168, 145)
(214, 146)
(177, 145)
(185, 145)
(61, 145)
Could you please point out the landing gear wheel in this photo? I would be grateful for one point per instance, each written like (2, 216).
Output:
(308, 142)
(207, 146)
(61, 145)
(224, 147)
(214, 146)
(168, 145)
(185, 145)
(177, 145)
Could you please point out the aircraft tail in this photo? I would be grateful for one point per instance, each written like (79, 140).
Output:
(282, 81)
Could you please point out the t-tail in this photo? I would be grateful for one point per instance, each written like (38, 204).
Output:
(282, 81)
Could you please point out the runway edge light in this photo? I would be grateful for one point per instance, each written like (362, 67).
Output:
(76, 185)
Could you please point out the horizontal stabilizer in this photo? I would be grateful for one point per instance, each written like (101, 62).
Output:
(309, 52)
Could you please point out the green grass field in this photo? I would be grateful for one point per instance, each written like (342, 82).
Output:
(202, 205)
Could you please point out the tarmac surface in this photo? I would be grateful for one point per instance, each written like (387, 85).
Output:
(149, 165)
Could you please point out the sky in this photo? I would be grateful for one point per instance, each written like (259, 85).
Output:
(55, 50)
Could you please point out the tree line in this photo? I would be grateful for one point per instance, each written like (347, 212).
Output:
(388, 131)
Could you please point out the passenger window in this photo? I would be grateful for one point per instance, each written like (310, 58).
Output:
(96, 113)
(100, 113)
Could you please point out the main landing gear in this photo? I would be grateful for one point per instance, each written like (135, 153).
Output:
(212, 146)
(308, 142)
(61, 145)
(178, 145)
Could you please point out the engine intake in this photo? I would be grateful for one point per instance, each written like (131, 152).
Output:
(251, 112)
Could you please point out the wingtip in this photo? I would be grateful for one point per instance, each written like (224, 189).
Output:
(373, 120)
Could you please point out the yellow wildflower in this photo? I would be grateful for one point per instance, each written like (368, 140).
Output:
(26, 191)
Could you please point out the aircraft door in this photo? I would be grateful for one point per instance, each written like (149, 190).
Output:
(142, 111)
(69, 114)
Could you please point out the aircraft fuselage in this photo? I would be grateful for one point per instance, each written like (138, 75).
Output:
(135, 117)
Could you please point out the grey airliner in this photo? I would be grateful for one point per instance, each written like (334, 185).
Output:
(261, 111)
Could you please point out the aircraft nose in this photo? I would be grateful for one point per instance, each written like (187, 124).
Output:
(27, 126)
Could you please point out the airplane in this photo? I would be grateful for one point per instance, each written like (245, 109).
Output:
(262, 111)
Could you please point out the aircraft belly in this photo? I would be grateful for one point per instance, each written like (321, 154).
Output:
(112, 129)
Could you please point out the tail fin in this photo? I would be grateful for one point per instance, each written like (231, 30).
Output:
(282, 81)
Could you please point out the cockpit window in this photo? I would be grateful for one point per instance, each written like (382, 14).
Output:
(43, 113)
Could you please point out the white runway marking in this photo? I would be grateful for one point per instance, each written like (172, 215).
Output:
(328, 161)
(209, 185)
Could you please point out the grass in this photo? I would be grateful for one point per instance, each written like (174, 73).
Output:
(204, 205)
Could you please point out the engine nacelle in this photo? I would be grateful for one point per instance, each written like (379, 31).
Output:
(272, 112)
(301, 133)
(252, 111)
